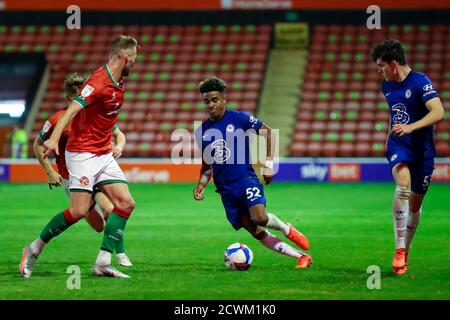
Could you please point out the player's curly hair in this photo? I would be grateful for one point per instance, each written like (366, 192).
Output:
(72, 84)
(389, 50)
(212, 84)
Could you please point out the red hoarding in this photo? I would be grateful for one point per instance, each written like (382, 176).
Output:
(134, 171)
(218, 4)
(344, 172)
(441, 172)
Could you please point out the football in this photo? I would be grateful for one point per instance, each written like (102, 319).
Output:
(238, 257)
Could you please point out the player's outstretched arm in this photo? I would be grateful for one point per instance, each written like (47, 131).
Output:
(119, 142)
(436, 114)
(51, 145)
(266, 131)
(205, 176)
(54, 178)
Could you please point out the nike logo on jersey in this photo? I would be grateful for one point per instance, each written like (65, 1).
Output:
(388, 93)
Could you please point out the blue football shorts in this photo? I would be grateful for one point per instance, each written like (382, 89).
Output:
(238, 199)
(421, 166)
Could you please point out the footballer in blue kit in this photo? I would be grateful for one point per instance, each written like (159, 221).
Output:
(233, 177)
(224, 141)
(415, 107)
(407, 104)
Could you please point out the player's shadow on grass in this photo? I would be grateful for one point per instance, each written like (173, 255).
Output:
(341, 269)
(385, 272)
(48, 274)
(36, 274)
(45, 269)
(187, 267)
(390, 274)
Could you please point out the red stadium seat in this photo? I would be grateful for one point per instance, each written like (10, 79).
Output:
(314, 149)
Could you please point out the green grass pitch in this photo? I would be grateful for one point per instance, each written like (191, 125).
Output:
(177, 245)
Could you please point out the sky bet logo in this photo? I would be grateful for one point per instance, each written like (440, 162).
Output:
(314, 172)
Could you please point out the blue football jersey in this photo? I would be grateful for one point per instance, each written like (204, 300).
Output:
(406, 102)
(225, 145)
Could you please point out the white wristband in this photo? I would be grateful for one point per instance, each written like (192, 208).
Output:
(268, 164)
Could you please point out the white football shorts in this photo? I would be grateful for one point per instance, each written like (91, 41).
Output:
(66, 184)
(87, 170)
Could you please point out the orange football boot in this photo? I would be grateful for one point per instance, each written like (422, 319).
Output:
(399, 258)
(298, 238)
(304, 261)
(400, 271)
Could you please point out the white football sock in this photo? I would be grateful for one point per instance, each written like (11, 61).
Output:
(276, 224)
(400, 208)
(103, 258)
(37, 246)
(274, 243)
(411, 226)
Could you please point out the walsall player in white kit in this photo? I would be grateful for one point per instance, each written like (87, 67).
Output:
(89, 158)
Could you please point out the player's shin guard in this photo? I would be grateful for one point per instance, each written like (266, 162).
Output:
(276, 224)
(57, 225)
(120, 247)
(114, 229)
(412, 223)
(274, 243)
(400, 208)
